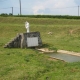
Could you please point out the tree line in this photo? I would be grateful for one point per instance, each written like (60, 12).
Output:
(41, 16)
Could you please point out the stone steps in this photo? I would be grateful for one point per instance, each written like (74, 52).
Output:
(13, 43)
(21, 40)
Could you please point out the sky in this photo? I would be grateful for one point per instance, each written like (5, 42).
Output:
(41, 7)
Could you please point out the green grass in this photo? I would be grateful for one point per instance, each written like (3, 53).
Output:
(29, 64)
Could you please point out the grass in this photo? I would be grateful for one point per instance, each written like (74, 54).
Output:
(29, 64)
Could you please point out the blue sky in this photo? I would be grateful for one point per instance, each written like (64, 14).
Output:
(49, 7)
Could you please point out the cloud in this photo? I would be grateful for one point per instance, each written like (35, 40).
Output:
(36, 9)
(54, 7)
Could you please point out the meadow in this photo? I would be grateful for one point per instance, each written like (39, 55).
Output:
(29, 64)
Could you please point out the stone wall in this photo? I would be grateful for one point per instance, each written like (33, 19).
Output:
(20, 41)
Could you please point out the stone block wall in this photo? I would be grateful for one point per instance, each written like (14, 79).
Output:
(20, 41)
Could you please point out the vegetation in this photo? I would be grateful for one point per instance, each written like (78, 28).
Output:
(41, 16)
(29, 64)
(6, 15)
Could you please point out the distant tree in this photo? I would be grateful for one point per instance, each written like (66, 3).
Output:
(4, 14)
(10, 14)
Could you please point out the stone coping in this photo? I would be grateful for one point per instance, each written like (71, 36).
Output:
(46, 50)
(68, 52)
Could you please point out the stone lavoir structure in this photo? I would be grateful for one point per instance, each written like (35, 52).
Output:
(24, 40)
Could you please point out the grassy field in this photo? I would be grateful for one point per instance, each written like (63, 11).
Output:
(29, 64)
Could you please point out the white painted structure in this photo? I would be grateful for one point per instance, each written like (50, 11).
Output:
(27, 26)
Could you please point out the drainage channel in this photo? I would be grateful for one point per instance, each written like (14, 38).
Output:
(65, 57)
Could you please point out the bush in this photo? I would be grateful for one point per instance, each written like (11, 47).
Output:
(10, 14)
(50, 16)
(4, 14)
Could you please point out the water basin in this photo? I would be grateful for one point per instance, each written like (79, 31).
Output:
(65, 57)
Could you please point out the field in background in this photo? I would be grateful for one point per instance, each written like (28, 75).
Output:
(29, 64)
(65, 32)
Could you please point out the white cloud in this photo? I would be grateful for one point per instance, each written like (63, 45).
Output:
(37, 8)
(54, 6)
